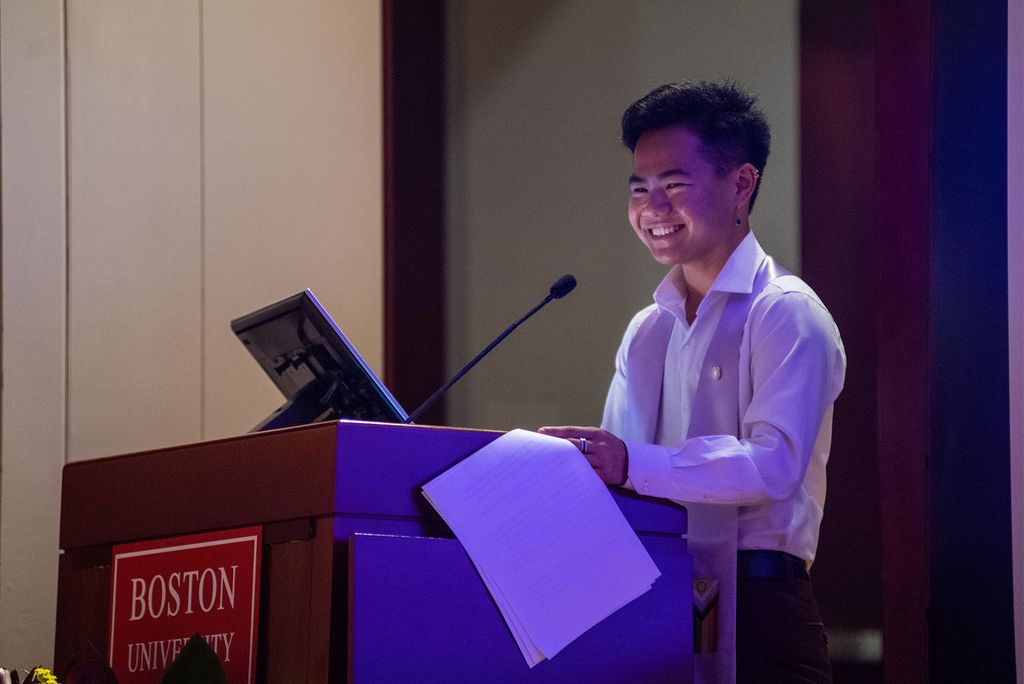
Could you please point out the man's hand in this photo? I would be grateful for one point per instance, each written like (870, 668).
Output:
(605, 452)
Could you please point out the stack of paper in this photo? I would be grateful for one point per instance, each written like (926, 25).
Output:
(546, 537)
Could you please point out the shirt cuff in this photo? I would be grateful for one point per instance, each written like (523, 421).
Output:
(648, 466)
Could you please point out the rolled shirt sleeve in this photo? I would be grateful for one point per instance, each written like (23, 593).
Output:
(797, 366)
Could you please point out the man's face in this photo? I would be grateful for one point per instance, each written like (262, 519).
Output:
(678, 205)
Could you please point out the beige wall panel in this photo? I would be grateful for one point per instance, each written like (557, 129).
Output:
(32, 448)
(293, 181)
(134, 212)
(537, 180)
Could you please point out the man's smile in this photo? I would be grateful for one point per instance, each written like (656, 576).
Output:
(662, 231)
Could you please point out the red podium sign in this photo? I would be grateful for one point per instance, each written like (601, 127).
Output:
(164, 591)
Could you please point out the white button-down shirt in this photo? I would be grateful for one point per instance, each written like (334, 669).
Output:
(775, 469)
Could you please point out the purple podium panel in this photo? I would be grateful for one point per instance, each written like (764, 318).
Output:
(418, 611)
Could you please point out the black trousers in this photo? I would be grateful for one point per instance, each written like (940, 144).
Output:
(780, 637)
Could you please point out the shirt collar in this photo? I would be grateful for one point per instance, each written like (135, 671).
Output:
(736, 276)
(738, 273)
(668, 297)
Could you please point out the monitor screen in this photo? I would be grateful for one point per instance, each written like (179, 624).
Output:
(316, 368)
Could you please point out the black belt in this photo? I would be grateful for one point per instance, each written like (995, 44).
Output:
(763, 564)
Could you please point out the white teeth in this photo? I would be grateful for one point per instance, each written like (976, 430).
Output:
(661, 231)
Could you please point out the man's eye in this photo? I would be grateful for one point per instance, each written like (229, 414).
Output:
(637, 190)
(673, 186)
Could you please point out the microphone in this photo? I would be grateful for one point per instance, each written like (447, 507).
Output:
(559, 289)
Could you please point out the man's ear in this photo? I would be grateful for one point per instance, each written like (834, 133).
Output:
(746, 182)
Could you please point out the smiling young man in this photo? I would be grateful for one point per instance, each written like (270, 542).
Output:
(723, 388)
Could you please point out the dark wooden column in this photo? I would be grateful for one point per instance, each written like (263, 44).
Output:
(904, 91)
(865, 208)
(866, 133)
(839, 245)
(414, 208)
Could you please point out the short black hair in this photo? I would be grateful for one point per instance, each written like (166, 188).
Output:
(732, 130)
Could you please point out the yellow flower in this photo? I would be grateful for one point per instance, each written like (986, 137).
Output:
(41, 675)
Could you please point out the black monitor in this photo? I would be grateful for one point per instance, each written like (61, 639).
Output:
(316, 368)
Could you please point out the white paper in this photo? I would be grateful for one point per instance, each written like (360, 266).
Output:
(546, 536)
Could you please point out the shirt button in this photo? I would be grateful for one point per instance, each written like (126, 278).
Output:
(716, 373)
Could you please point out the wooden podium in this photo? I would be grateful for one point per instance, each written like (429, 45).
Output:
(361, 580)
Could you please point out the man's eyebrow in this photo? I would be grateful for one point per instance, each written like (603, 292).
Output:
(664, 174)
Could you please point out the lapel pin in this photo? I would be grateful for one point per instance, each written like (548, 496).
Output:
(716, 372)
